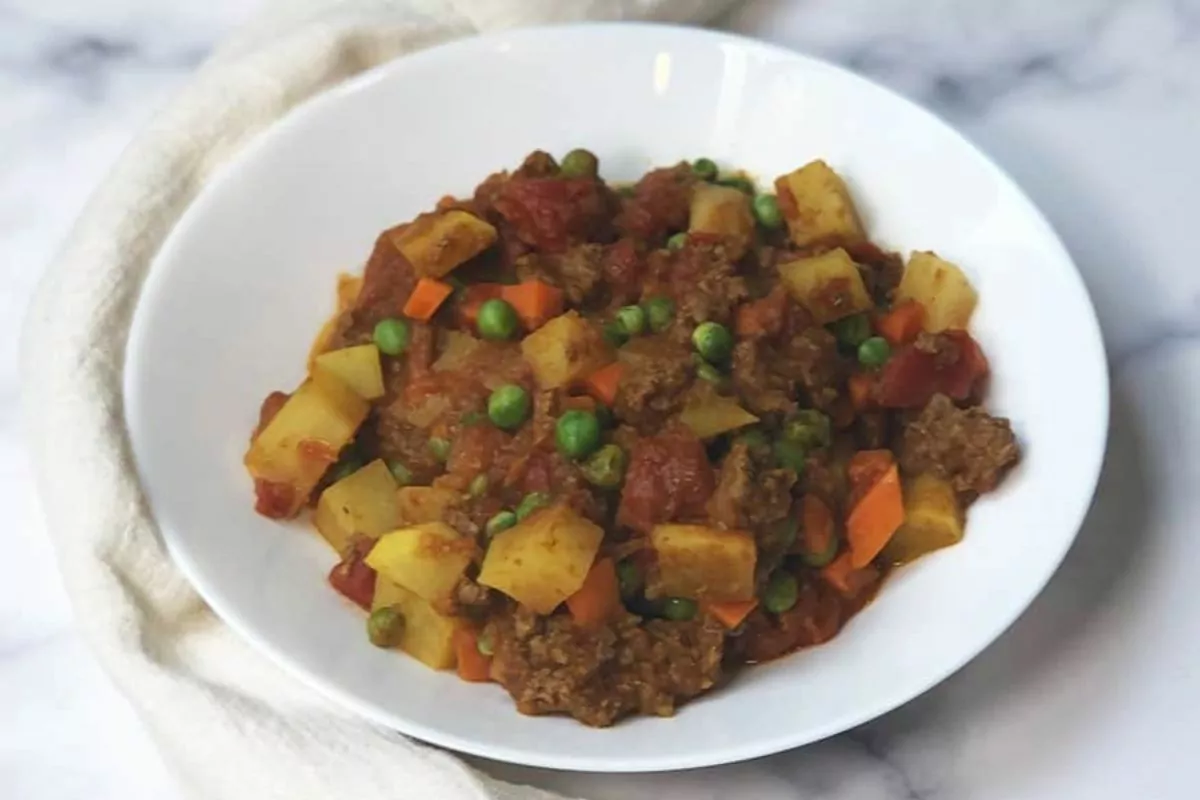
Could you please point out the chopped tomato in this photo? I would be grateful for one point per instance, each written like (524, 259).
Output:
(353, 578)
(948, 363)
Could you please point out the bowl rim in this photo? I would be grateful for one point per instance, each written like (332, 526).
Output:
(756, 747)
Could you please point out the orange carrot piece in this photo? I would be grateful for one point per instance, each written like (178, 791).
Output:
(862, 388)
(902, 324)
(876, 516)
(425, 299)
(473, 665)
(600, 596)
(730, 613)
(602, 384)
(842, 575)
(534, 301)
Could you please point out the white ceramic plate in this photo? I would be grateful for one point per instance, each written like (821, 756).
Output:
(240, 288)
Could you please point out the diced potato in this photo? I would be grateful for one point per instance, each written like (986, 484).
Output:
(942, 288)
(437, 243)
(709, 414)
(564, 350)
(933, 519)
(455, 350)
(357, 367)
(724, 211)
(428, 559)
(305, 437)
(428, 634)
(817, 206)
(363, 504)
(828, 285)
(542, 560)
(703, 563)
(348, 287)
(420, 504)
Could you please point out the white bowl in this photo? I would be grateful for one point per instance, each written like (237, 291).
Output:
(246, 278)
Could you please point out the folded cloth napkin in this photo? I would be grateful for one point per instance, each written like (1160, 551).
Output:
(230, 723)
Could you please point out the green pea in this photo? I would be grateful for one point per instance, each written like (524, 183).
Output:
(660, 311)
(677, 241)
(874, 352)
(500, 521)
(606, 467)
(531, 503)
(739, 182)
(632, 319)
(577, 433)
(754, 438)
(439, 447)
(497, 320)
(822, 558)
(484, 645)
(705, 169)
(766, 211)
(707, 372)
(478, 486)
(508, 406)
(615, 333)
(629, 578)
(853, 330)
(780, 593)
(790, 455)
(713, 341)
(808, 428)
(679, 609)
(400, 472)
(391, 336)
(580, 163)
(385, 626)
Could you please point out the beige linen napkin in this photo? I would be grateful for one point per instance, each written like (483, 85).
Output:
(231, 724)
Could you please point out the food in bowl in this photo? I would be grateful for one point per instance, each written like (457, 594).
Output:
(602, 445)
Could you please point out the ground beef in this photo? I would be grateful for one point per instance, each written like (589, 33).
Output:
(763, 390)
(388, 280)
(817, 616)
(579, 272)
(812, 359)
(538, 164)
(551, 666)
(967, 446)
(624, 270)
(701, 280)
(668, 479)
(748, 497)
(659, 206)
(657, 375)
(872, 430)
(396, 440)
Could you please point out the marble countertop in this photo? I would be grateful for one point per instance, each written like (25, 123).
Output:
(1093, 105)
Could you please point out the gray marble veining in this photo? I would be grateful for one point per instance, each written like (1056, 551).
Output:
(1092, 105)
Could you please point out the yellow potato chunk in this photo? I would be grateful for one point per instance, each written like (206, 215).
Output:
(357, 367)
(709, 414)
(828, 285)
(437, 243)
(933, 519)
(428, 634)
(942, 288)
(363, 503)
(564, 350)
(420, 504)
(817, 207)
(542, 560)
(305, 437)
(703, 563)
(725, 212)
(427, 559)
